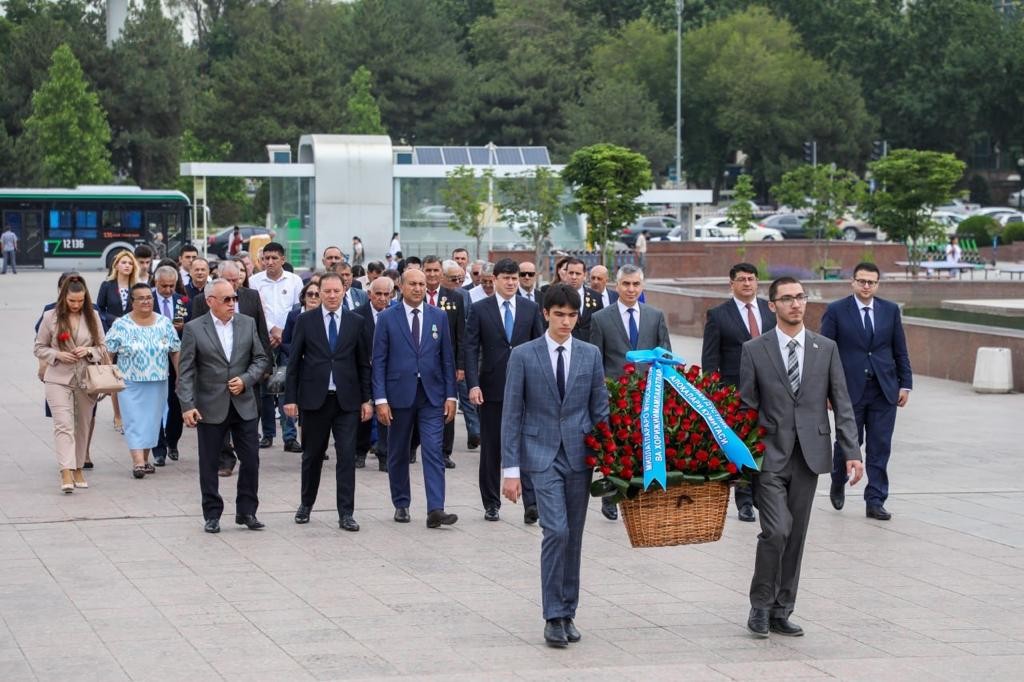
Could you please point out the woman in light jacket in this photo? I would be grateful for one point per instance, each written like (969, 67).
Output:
(70, 337)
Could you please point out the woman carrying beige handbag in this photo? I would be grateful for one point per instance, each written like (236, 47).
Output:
(70, 337)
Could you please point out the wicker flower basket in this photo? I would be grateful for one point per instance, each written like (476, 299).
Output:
(682, 515)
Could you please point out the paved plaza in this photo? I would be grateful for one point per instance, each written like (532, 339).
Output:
(118, 582)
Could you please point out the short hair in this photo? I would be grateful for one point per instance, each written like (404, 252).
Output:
(449, 264)
(333, 247)
(200, 258)
(460, 250)
(143, 251)
(385, 282)
(166, 271)
(488, 269)
(773, 288)
(629, 269)
(228, 266)
(431, 259)
(189, 248)
(240, 255)
(479, 262)
(402, 278)
(273, 247)
(573, 260)
(358, 271)
(331, 275)
(288, 267)
(867, 267)
(341, 267)
(139, 285)
(742, 267)
(375, 266)
(506, 266)
(561, 295)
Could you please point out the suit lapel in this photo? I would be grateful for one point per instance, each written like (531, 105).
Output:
(403, 323)
(211, 331)
(767, 316)
(321, 331)
(545, 364)
(771, 347)
(741, 328)
(648, 336)
(811, 353)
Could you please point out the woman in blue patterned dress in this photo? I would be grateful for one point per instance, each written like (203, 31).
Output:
(142, 342)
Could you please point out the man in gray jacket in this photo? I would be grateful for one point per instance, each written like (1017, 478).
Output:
(221, 362)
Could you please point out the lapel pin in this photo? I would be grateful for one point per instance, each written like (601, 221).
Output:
(814, 344)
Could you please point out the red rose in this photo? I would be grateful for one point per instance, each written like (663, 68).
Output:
(624, 380)
(731, 468)
(184, 299)
(64, 336)
(702, 455)
(643, 384)
(622, 434)
(609, 446)
(688, 450)
(626, 462)
(629, 368)
(627, 473)
(609, 459)
(621, 404)
(760, 448)
(592, 443)
(616, 419)
(670, 452)
(680, 464)
(606, 471)
(591, 461)
(761, 431)
(694, 465)
(713, 462)
(636, 437)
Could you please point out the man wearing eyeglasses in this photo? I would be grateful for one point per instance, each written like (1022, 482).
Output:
(869, 333)
(788, 376)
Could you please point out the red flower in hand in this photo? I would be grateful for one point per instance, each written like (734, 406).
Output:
(64, 336)
(184, 299)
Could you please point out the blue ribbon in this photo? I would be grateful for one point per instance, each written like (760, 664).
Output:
(662, 369)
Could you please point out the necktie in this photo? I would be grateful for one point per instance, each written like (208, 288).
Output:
(431, 294)
(793, 367)
(344, 303)
(868, 327)
(560, 373)
(508, 321)
(416, 329)
(167, 308)
(634, 333)
(752, 322)
(332, 332)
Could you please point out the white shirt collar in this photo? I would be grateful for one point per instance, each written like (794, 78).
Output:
(861, 305)
(501, 303)
(784, 339)
(325, 312)
(553, 345)
(623, 308)
(409, 308)
(217, 322)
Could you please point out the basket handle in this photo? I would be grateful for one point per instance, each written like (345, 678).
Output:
(683, 499)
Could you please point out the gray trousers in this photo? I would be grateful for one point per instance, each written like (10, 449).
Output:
(562, 497)
(784, 499)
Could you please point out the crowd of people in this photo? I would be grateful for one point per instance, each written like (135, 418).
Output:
(381, 359)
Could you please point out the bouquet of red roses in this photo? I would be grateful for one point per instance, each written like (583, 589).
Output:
(692, 454)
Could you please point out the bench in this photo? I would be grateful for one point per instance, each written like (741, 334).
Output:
(1012, 270)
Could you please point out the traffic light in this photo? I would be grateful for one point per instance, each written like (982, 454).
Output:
(879, 149)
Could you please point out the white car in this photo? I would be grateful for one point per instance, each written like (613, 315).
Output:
(994, 211)
(718, 229)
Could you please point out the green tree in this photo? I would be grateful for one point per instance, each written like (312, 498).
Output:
(606, 181)
(533, 202)
(466, 195)
(642, 54)
(824, 193)
(741, 212)
(68, 127)
(362, 115)
(150, 96)
(910, 181)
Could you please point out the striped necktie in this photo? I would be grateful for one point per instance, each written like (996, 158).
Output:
(793, 367)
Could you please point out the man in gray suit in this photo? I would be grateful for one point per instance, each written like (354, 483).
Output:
(554, 395)
(221, 362)
(788, 375)
(622, 326)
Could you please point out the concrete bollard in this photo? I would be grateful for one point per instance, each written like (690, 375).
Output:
(993, 370)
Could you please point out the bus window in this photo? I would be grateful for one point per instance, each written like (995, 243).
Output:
(60, 224)
(86, 223)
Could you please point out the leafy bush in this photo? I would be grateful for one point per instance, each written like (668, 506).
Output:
(1014, 232)
(980, 228)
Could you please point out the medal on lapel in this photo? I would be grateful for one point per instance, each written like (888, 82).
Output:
(433, 331)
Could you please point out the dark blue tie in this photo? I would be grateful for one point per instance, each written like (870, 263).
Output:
(332, 332)
(508, 321)
(868, 327)
(416, 329)
(560, 373)
(634, 333)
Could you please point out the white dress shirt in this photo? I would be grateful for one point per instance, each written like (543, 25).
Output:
(501, 307)
(185, 277)
(477, 293)
(870, 305)
(530, 295)
(513, 472)
(226, 334)
(352, 305)
(278, 296)
(408, 317)
(743, 314)
(606, 299)
(784, 348)
(327, 330)
(624, 314)
(162, 301)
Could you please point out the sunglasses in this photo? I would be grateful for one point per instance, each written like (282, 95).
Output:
(310, 294)
(527, 274)
(226, 299)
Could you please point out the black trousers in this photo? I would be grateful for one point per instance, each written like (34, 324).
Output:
(227, 453)
(363, 434)
(170, 433)
(246, 438)
(317, 427)
(490, 458)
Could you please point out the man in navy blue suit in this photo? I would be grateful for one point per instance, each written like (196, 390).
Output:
(414, 383)
(178, 310)
(869, 333)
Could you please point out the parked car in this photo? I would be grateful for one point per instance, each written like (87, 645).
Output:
(1010, 218)
(994, 211)
(756, 233)
(435, 215)
(959, 206)
(217, 243)
(1015, 199)
(948, 220)
(703, 233)
(854, 228)
(791, 225)
(656, 226)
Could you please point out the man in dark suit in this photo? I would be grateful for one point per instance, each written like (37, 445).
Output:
(175, 308)
(623, 326)
(329, 380)
(528, 288)
(453, 277)
(728, 327)
(381, 290)
(498, 324)
(414, 383)
(454, 306)
(575, 271)
(599, 285)
(869, 333)
(221, 362)
(788, 376)
(554, 394)
(249, 304)
(353, 297)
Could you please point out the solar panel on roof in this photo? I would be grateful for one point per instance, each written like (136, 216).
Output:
(537, 156)
(509, 156)
(429, 156)
(480, 156)
(455, 156)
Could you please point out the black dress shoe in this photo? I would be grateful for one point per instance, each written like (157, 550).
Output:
(837, 493)
(439, 517)
(412, 457)
(609, 509)
(302, 514)
(212, 526)
(448, 463)
(88, 465)
(571, 633)
(382, 463)
(554, 634)
(348, 523)
(473, 442)
(292, 446)
(249, 521)
(757, 622)
(785, 627)
(160, 461)
(879, 513)
(360, 461)
(530, 515)
(402, 514)
(173, 454)
(747, 513)
(266, 442)
(491, 514)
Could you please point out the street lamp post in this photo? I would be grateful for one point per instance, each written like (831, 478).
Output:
(679, 107)
(1020, 190)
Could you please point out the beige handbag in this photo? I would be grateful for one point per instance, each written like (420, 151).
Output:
(103, 379)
